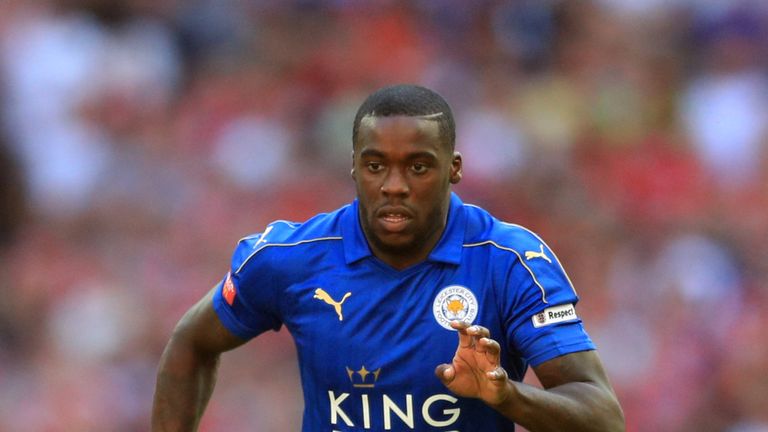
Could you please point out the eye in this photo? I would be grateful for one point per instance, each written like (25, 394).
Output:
(374, 166)
(419, 168)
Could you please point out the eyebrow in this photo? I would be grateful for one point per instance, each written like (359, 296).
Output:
(371, 153)
(411, 156)
(422, 155)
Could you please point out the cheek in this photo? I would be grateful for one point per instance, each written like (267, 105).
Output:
(367, 191)
(431, 197)
(367, 186)
(435, 187)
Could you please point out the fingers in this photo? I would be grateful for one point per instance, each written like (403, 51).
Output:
(490, 348)
(498, 374)
(445, 373)
(469, 335)
(478, 331)
(465, 340)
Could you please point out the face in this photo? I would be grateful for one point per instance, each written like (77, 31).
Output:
(402, 174)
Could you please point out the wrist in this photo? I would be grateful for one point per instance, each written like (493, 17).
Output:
(506, 395)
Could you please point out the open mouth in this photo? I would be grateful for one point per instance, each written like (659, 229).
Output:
(394, 221)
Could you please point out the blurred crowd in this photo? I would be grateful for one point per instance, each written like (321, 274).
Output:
(141, 139)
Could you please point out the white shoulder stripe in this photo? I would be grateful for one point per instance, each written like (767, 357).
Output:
(266, 245)
(520, 258)
(252, 236)
(550, 249)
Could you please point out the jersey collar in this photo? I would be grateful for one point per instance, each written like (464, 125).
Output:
(447, 250)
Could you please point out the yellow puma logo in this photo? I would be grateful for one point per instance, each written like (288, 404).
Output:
(531, 254)
(324, 296)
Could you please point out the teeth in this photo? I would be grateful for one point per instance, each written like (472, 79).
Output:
(394, 216)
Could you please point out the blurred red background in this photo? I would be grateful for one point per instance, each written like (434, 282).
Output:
(142, 139)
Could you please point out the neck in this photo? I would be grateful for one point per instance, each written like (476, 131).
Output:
(400, 259)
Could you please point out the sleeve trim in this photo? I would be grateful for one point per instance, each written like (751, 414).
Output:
(229, 321)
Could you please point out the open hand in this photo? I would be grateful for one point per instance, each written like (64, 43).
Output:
(475, 370)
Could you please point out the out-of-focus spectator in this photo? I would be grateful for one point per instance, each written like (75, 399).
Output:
(62, 64)
(725, 106)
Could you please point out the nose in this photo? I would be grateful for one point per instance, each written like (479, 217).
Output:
(395, 183)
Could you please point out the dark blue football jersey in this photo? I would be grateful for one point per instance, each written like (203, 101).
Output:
(369, 337)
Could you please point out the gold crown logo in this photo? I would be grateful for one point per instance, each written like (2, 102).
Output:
(367, 379)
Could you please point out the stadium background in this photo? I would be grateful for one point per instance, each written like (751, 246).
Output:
(142, 139)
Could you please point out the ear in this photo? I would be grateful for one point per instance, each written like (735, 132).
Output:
(456, 165)
(352, 171)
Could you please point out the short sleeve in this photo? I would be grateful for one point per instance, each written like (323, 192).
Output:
(541, 319)
(247, 299)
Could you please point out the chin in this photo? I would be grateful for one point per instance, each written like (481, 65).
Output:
(396, 243)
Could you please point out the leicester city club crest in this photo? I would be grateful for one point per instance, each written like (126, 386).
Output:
(454, 303)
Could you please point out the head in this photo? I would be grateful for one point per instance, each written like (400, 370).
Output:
(403, 165)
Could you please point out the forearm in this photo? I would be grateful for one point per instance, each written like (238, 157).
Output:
(575, 406)
(185, 381)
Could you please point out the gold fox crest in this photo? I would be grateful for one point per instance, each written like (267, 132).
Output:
(531, 254)
(320, 294)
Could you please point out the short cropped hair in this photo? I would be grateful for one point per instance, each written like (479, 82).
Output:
(408, 100)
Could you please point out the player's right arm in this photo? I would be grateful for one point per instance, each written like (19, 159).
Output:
(187, 371)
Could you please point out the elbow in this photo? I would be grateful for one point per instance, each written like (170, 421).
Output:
(615, 423)
(620, 423)
(605, 413)
(613, 416)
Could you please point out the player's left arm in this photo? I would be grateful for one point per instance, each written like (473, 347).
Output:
(577, 395)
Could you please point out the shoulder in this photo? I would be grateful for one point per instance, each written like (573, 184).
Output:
(483, 229)
(517, 249)
(282, 232)
(288, 239)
